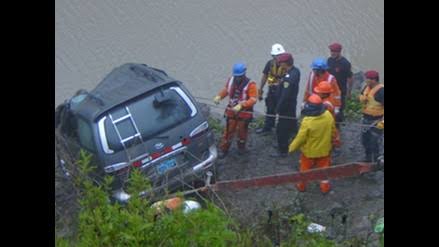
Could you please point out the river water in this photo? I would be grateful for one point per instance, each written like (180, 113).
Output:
(197, 41)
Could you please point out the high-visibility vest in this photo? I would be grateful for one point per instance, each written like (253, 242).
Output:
(313, 82)
(373, 107)
(237, 95)
(274, 74)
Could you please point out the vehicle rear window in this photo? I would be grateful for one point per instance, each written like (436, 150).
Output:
(151, 114)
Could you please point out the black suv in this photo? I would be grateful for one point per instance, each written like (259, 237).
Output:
(137, 117)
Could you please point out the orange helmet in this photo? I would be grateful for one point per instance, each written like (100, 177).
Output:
(323, 87)
(315, 99)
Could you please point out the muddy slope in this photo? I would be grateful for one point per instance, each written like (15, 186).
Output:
(349, 211)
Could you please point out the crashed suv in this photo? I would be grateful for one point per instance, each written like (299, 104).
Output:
(136, 118)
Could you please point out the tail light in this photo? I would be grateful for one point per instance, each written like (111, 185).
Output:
(168, 149)
(185, 141)
(137, 163)
(201, 129)
(155, 155)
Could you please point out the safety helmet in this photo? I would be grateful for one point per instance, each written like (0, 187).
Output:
(277, 49)
(324, 87)
(319, 63)
(285, 58)
(190, 206)
(371, 74)
(239, 69)
(315, 99)
(335, 47)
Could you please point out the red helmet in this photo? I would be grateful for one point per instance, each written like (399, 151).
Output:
(335, 47)
(323, 87)
(315, 99)
(371, 74)
(284, 58)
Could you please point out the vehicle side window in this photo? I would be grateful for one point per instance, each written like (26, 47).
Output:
(67, 122)
(85, 135)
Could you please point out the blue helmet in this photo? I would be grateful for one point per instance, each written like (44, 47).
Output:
(319, 63)
(239, 69)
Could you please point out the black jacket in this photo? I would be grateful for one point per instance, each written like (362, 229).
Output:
(287, 93)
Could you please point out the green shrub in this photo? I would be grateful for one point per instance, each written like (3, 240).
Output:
(257, 122)
(353, 108)
(102, 223)
(300, 237)
(215, 125)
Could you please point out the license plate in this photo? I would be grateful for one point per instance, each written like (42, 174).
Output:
(166, 165)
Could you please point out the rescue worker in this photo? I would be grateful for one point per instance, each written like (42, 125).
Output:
(319, 73)
(340, 67)
(271, 75)
(315, 139)
(372, 98)
(243, 94)
(324, 90)
(286, 105)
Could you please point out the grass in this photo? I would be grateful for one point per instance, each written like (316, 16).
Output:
(215, 125)
(257, 122)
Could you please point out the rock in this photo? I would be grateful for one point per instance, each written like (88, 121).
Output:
(336, 208)
(379, 176)
(331, 233)
(376, 193)
(369, 175)
(360, 226)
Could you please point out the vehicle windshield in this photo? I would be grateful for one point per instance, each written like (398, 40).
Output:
(153, 113)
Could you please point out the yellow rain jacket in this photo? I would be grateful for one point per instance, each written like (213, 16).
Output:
(315, 136)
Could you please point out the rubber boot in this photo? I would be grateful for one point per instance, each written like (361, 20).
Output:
(325, 186)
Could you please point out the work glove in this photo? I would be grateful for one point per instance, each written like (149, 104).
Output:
(237, 108)
(217, 99)
(380, 124)
(260, 93)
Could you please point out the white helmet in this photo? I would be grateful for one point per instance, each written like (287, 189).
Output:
(189, 206)
(277, 49)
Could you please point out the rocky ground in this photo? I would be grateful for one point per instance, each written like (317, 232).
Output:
(348, 211)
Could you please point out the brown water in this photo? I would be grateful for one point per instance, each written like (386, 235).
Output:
(197, 41)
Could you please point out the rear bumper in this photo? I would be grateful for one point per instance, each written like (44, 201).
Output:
(213, 154)
(122, 197)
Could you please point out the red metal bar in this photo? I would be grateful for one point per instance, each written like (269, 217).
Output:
(333, 172)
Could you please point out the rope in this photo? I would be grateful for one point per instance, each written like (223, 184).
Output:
(284, 117)
(197, 175)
